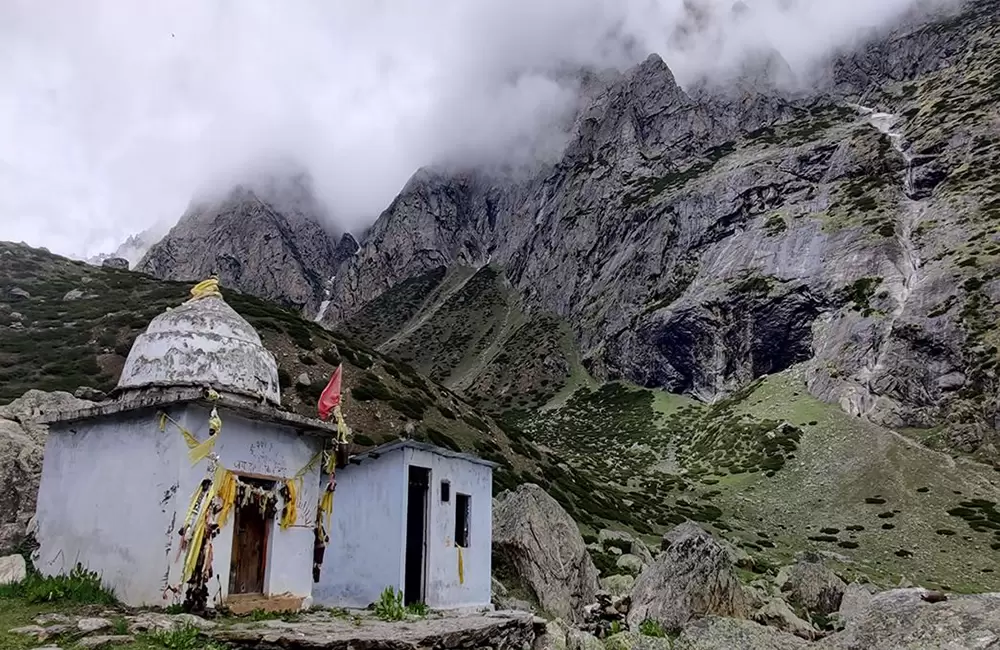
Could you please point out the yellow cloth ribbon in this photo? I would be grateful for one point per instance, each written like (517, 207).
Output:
(461, 568)
(206, 288)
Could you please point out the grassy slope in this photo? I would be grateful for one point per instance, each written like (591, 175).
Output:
(771, 468)
(465, 329)
(64, 344)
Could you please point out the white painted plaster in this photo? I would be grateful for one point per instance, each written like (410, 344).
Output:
(108, 499)
(367, 545)
(365, 553)
(115, 490)
(443, 590)
(204, 342)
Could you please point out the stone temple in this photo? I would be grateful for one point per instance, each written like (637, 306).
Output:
(191, 485)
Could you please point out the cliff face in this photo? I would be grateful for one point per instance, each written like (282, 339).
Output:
(267, 241)
(694, 240)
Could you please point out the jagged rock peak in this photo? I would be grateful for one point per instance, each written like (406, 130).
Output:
(269, 236)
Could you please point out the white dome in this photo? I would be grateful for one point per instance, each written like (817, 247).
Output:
(202, 342)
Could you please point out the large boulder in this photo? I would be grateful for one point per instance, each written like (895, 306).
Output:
(537, 544)
(693, 577)
(714, 633)
(902, 619)
(22, 444)
(812, 586)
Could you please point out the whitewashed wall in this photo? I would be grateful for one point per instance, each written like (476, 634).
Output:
(443, 590)
(108, 501)
(365, 553)
(367, 546)
(115, 491)
(271, 451)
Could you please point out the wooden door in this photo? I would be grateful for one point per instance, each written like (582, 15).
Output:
(249, 559)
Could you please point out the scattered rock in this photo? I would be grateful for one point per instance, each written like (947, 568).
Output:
(36, 631)
(636, 641)
(857, 598)
(693, 577)
(88, 625)
(635, 547)
(16, 315)
(776, 613)
(577, 640)
(812, 586)
(13, 569)
(539, 544)
(553, 638)
(153, 621)
(630, 563)
(91, 394)
(50, 619)
(18, 293)
(497, 630)
(618, 585)
(901, 619)
(104, 641)
(304, 380)
(115, 263)
(74, 294)
(713, 633)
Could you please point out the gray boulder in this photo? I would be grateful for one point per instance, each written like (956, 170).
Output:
(714, 633)
(812, 586)
(902, 620)
(776, 613)
(856, 601)
(694, 577)
(22, 444)
(115, 263)
(631, 564)
(540, 546)
(617, 585)
(13, 569)
(636, 641)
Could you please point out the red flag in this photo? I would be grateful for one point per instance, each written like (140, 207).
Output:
(330, 397)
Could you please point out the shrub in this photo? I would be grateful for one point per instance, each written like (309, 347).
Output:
(389, 606)
(651, 627)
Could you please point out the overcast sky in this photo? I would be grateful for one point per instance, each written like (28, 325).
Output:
(113, 113)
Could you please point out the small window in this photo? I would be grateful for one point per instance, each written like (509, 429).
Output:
(463, 512)
(445, 491)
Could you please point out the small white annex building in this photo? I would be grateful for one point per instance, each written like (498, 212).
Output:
(415, 517)
(191, 484)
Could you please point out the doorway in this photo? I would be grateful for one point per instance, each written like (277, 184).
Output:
(251, 533)
(416, 534)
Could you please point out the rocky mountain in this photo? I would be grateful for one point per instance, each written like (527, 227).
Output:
(268, 239)
(697, 239)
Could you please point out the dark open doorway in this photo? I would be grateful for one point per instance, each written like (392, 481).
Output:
(416, 534)
(251, 532)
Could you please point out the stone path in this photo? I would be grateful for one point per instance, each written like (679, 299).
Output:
(323, 631)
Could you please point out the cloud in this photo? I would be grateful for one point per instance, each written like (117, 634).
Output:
(115, 113)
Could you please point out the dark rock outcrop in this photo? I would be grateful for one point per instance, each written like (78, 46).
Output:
(538, 545)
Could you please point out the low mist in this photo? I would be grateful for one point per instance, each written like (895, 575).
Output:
(115, 113)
